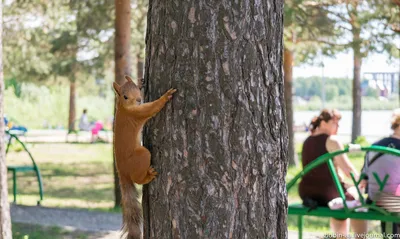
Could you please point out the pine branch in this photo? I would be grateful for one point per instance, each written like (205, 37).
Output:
(338, 15)
(344, 28)
(333, 44)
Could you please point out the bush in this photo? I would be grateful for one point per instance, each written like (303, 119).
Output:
(361, 140)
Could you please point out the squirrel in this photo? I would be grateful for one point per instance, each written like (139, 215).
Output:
(132, 159)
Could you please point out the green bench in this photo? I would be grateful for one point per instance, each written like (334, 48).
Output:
(374, 212)
(16, 169)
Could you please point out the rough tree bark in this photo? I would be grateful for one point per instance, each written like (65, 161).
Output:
(72, 100)
(220, 146)
(288, 79)
(5, 218)
(122, 62)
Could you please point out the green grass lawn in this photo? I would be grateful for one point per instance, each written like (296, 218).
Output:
(74, 175)
(81, 176)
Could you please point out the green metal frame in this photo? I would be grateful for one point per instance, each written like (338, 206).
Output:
(377, 213)
(15, 169)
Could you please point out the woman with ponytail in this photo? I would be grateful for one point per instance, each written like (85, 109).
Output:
(318, 186)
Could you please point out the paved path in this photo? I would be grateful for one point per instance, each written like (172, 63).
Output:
(103, 225)
(106, 225)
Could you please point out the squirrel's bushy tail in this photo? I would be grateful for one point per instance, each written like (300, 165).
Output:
(131, 211)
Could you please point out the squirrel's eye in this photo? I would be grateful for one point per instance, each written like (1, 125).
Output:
(125, 97)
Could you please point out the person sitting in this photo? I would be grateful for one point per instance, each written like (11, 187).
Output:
(383, 164)
(84, 123)
(318, 186)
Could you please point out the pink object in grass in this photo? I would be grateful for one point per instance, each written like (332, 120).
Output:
(398, 191)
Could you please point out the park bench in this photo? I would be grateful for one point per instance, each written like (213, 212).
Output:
(26, 168)
(374, 212)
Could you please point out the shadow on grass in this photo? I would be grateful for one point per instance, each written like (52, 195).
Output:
(81, 188)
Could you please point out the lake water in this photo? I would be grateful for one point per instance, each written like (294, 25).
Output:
(374, 124)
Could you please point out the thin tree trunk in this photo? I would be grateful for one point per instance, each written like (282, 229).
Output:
(357, 109)
(288, 76)
(72, 103)
(356, 131)
(220, 147)
(5, 218)
(122, 62)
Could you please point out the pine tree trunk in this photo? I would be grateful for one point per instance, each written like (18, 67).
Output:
(220, 146)
(140, 66)
(5, 218)
(288, 76)
(356, 127)
(72, 103)
(122, 62)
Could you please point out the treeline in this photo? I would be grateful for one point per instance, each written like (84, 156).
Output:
(308, 87)
(338, 94)
(44, 106)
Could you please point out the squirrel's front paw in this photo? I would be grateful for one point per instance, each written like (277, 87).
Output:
(152, 172)
(169, 93)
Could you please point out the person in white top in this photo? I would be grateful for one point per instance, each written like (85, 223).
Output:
(84, 123)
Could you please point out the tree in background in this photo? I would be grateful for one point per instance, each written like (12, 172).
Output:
(139, 14)
(304, 25)
(364, 27)
(220, 147)
(82, 43)
(26, 39)
(69, 41)
(5, 218)
(122, 44)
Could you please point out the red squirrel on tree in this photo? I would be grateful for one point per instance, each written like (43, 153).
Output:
(132, 159)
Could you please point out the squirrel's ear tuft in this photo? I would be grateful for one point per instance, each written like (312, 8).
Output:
(117, 88)
(128, 78)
